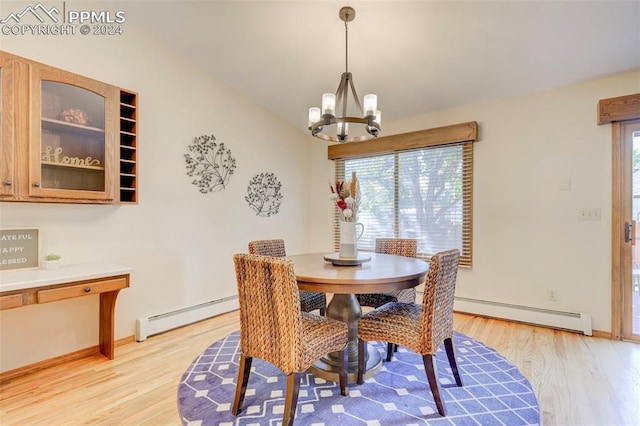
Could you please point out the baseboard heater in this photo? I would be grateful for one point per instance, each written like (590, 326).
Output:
(574, 321)
(156, 324)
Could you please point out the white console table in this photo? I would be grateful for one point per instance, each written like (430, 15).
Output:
(26, 287)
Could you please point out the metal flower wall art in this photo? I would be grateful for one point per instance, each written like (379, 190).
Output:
(210, 162)
(263, 194)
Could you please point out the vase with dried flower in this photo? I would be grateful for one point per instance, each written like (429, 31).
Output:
(346, 196)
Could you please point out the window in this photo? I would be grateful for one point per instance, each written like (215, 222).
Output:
(420, 192)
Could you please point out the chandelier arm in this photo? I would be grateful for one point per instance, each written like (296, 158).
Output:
(346, 95)
(341, 94)
(355, 96)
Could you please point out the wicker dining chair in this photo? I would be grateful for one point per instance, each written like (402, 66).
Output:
(309, 300)
(275, 329)
(401, 247)
(421, 328)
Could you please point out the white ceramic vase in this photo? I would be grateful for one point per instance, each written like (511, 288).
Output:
(349, 239)
(50, 264)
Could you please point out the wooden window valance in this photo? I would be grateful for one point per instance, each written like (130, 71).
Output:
(621, 108)
(455, 133)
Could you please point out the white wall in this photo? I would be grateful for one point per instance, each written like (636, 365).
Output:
(526, 234)
(179, 241)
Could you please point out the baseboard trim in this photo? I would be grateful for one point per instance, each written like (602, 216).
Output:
(595, 333)
(72, 356)
(603, 334)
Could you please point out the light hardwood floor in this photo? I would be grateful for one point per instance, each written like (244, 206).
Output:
(578, 380)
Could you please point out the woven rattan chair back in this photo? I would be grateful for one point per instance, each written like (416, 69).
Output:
(421, 328)
(436, 319)
(309, 300)
(273, 248)
(401, 247)
(269, 310)
(274, 328)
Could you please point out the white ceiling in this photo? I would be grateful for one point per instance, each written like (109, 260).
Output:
(417, 56)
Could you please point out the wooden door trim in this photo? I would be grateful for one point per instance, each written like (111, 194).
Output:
(619, 181)
(619, 111)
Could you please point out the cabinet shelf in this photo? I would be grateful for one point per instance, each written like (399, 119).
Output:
(53, 124)
(128, 147)
(71, 166)
(129, 99)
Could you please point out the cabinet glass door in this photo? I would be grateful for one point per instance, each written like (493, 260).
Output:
(72, 138)
(73, 130)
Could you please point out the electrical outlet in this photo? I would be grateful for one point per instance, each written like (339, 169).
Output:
(551, 295)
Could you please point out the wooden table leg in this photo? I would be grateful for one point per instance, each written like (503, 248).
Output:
(107, 327)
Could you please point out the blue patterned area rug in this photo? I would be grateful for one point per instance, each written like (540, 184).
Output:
(494, 391)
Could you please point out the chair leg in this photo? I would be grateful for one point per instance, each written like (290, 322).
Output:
(451, 354)
(243, 379)
(361, 359)
(389, 351)
(395, 347)
(429, 362)
(291, 398)
(323, 312)
(342, 371)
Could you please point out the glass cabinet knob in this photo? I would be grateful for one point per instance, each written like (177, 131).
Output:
(8, 182)
(36, 184)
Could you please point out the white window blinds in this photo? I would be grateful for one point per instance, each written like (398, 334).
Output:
(423, 193)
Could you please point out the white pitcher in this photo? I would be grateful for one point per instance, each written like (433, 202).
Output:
(349, 239)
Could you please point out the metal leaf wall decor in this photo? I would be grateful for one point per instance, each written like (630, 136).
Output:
(263, 194)
(210, 162)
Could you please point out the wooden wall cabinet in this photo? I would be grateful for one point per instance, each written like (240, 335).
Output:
(64, 137)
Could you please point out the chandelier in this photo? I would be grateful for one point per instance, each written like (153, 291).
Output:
(331, 125)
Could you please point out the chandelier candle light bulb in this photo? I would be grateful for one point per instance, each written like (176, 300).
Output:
(370, 104)
(314, 115)
(343, 129)
(328, 104)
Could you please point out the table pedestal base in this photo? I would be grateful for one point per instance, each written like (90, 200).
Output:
(345, 308)
(325, 368)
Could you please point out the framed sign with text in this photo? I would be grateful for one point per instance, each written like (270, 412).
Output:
(19, 249)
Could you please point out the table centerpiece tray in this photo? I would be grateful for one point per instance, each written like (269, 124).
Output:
(336, 260)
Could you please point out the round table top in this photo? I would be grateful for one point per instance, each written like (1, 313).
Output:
(385, 272)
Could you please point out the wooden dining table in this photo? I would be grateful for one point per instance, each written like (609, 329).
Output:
(382, 273)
